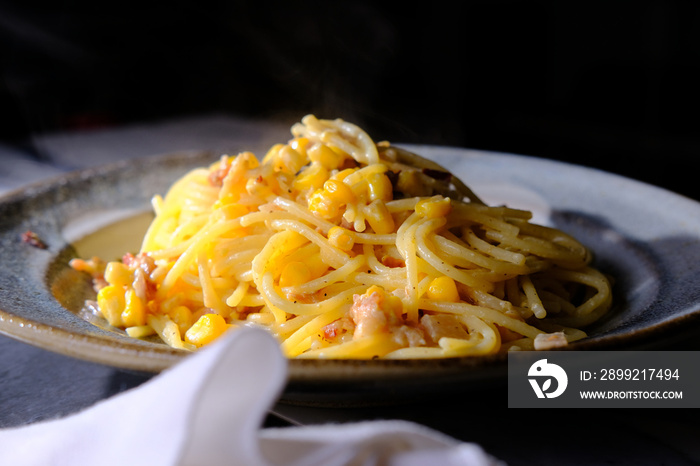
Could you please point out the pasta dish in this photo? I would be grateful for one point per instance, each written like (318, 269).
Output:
(346, 248)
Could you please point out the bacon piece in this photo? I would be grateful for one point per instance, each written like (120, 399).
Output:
(370, 313)
(393, 262)
(407, 335)
(32, 239)
(338, 327)
(438, 326)
(216, 176)
(143, 265)
(547, 341)
(141, 261)
(378, 312)
(95, 267)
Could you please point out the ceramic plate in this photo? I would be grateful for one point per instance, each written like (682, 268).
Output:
(646, 237)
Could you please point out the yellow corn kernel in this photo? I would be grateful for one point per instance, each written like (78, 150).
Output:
(118, 274)
(272, 153)
(359, 189)
(325, 156)
(299, 144)
(394, 304)
(341, 175)
(258, 187)
(389, 304)
(321, 204)
(288, 160)
(312, 177)
(341, 238)
(379, 187)
(134, 312)
(339, 192)
(379, 217)
(208, 328)
(182, 316)
(111, 302)
(286, 243)
(412, 184)
(443, 289)
(248, 159)
(434, 207)
(316, 265)
(294, 274)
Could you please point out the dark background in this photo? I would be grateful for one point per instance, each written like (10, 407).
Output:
(609, 84)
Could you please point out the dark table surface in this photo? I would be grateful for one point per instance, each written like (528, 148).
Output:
(36, 384)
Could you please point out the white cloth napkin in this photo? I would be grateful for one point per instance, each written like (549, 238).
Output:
(208, 411)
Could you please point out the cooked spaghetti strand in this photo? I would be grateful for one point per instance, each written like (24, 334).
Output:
(343, 248)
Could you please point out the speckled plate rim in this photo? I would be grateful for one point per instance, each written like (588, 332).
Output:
(122, 352)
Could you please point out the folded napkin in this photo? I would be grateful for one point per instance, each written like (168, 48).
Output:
(208, 410)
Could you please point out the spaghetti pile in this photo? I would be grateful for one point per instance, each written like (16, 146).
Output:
(343, 248)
